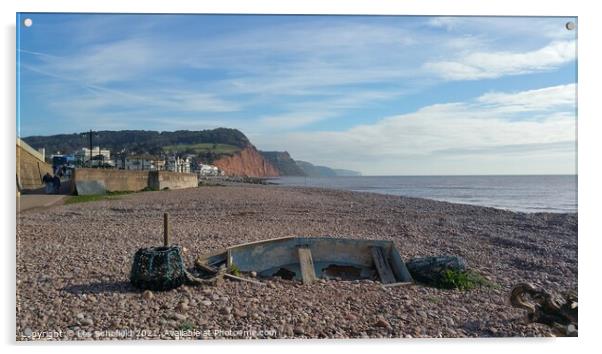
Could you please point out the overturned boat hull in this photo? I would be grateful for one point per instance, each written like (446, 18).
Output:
(310, 258)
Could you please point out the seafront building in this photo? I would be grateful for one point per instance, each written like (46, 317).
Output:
(207, 170)
(141, 162)
(95, 158)
(154, 163)
(178, 164)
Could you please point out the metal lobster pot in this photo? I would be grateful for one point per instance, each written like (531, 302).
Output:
(158, 268)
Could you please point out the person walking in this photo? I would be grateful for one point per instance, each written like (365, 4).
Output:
(56, 184)
(48, 183)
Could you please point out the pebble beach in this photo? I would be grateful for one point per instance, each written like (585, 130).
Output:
(73, 264)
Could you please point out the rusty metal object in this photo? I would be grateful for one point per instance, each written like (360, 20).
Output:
(215, 279)
(558, 312)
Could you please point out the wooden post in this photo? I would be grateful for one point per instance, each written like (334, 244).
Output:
(165, 229)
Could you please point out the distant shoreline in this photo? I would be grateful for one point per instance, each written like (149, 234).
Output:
(526, 194)
(420, 198)
(271, 181)
(385, 176)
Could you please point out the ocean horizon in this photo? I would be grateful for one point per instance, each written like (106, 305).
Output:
(519, 193)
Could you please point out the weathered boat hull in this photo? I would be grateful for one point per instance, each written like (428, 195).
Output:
(329, 258)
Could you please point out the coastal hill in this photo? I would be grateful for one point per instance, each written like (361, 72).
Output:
(211, 143)
(246, 162)
(228, 149)
(287, 166)
(312, 170)
(283, 161)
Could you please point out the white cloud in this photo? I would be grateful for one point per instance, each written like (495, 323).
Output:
(522, 28)
(486, 65)
(449, 23)
(292, 120)
(116, 61)
(533, 100)
(482, 137)
(96, 100)
(299, 114)
(193, 101)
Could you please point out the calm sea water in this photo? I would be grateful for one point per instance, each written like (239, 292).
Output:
(550, 193)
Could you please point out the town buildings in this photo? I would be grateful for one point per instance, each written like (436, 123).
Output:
(96, 157)
(178, 164)
(140, 162)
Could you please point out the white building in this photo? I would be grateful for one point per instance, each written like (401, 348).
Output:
(177, 164)
(208, 170)
(99, 156)
(149, 163)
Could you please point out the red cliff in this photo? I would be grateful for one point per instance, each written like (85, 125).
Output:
(247, 162)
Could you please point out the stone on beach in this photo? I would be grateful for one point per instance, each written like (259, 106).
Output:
(428, 269)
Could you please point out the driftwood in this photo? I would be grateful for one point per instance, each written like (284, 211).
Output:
(234, 277)
(216, 273)
(394, 285)
(205, 268)
(558, 312)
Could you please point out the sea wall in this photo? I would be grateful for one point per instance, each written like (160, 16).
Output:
(162, 179)
(114, 180)
(30, 168)
(133, 181)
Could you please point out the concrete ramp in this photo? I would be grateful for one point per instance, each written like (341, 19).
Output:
(38, 201)
(90, 187)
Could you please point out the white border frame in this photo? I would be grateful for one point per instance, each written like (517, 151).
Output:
(588, 139)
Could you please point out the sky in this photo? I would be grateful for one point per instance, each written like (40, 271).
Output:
(383, 95)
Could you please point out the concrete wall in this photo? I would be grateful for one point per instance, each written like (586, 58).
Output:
(172, 180)
(114, 180)
(133, 181)
(30, 168)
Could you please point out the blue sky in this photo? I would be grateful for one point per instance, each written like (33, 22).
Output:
(381, 95)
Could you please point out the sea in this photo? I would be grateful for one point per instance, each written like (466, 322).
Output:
(528, 194)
